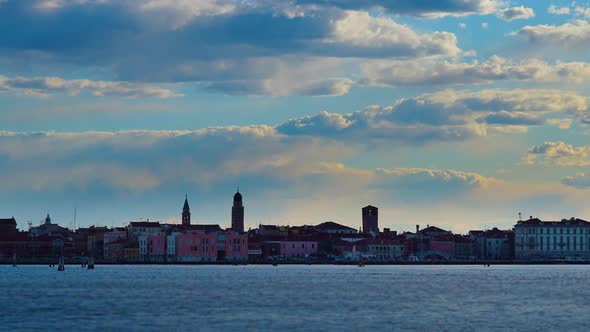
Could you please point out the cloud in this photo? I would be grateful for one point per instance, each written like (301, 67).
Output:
(42, 86)
(444, 116)
(574, 34)
(420, 8)
(431, 72)
(515, 13)
(243, 47)
(146, 161)
(583, 11)
(558, 10)
(512, 119)
(559, 154)
(429, 183)
(358, 32)
(579, 181)
(329, 87)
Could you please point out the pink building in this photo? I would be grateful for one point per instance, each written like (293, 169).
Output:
(443, 245)
(196, 246)
(290, 249)
(236, 246)
(199, 246)
(156, 248)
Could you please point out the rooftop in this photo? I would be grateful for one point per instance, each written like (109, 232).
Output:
(563, 222)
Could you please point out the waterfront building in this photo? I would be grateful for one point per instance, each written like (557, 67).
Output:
(463, 247)
(201, 246)
(116, 234)
(547, 240)
(143, 228)
(271, 230)
(370, 219)
(186, 212)
(50, 229)
(382, 250)
(131, 254)
(330, 227)
(498, 244)
(237, 213)
(298, 249)
(8, 226)
(171, 246)
(156, 248)
(115, 249)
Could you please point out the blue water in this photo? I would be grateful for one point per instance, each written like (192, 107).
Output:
(302, 298)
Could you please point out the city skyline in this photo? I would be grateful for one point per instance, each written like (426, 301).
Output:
(455, 113)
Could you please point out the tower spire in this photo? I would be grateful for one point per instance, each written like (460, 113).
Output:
(186, 212)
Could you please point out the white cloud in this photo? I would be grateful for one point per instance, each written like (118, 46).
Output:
(485, 25)
(432, 72)
(516, 13)
(575, 34)
(227, 46)
(559, 154)
(359, 30)
(558, 10)
(582, 11)
(443, 116)
(462, 25)
(42, 86)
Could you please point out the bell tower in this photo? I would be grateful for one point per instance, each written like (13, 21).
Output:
(237, 213)
(186, 212)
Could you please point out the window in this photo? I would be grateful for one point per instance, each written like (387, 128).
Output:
(303, 246)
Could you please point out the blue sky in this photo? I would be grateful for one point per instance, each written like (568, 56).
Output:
(457, 113)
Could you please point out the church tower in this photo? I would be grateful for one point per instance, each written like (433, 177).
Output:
(186, 212)
(237, 213)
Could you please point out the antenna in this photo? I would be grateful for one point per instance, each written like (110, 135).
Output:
(75, 214)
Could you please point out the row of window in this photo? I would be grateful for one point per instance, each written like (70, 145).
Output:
(564, 243)
(302, 246)
(559, 230)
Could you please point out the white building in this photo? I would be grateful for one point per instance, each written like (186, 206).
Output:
(565, 239)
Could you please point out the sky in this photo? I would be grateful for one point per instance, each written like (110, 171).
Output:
(455, 113)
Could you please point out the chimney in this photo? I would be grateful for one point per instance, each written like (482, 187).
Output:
(417, 228)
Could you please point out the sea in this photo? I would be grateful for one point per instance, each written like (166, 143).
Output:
(295, 298)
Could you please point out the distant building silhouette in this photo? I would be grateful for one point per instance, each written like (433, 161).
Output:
(8, 225)
(186, 212)
(370, 219)
(237, 213)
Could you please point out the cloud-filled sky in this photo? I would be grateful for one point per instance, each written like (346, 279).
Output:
(459, 113)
